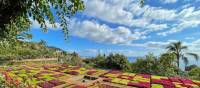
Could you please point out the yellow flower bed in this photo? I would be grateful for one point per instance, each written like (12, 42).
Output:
(141, 79)
(158, 77)
(116, 80)
(124, 82)
(157, 86)
(111, 75)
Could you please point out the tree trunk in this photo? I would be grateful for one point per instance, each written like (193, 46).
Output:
(178, 62)
(178, 58)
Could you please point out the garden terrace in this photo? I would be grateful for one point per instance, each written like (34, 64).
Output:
(65, 76)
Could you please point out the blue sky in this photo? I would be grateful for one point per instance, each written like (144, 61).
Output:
(122, 26)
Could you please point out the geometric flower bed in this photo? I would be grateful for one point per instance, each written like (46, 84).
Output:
(56, 76)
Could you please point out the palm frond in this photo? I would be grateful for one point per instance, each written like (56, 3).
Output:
(184, 47)
(193, 55)
(185, 60)
(171, 48)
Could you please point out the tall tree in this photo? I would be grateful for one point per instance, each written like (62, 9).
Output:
(16, 15)
(179, 50)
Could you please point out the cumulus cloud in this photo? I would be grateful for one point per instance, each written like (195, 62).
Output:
(103, 33)
(187, 18)
(129, 13)
(123, 12)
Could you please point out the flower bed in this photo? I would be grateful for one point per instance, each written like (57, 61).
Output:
(49, 76)
(56, 82)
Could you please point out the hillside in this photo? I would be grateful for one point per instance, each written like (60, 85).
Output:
(29, 50)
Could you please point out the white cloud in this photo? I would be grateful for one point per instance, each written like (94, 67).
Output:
(187, 18)
(148, 19)
(112, 13)
(103, 33)
(155, 27)
(181, 26)
(154, 44)
(169, 1)
(124, 12)
(129, 13)
(36, 25)
(158, 13)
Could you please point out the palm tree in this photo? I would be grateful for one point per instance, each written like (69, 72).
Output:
(178, 49)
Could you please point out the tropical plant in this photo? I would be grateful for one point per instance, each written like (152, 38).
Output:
(117, 61)
(150, 64)
(179, 50)
(168, 59)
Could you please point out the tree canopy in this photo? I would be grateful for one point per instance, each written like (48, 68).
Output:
(16, 15)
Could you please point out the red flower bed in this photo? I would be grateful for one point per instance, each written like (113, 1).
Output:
(91, 72)
(174, 79)
(168, 86)
(164, 79)
(162, 82)
(73, 73)
(145, 75)
(140, 84)
(46, 85)
(107, 79)
(56, 82)
(186, 81)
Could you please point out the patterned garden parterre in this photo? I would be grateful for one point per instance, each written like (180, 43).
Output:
(64, 76)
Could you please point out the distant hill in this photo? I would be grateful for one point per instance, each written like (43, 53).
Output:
(30, 50)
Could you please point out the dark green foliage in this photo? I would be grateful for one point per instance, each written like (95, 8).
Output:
(112, 61)
(150, 64)
(15, 14)
(195, 73)
(117, 61)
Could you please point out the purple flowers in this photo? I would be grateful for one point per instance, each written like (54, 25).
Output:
(56, 82)
(46, 85)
